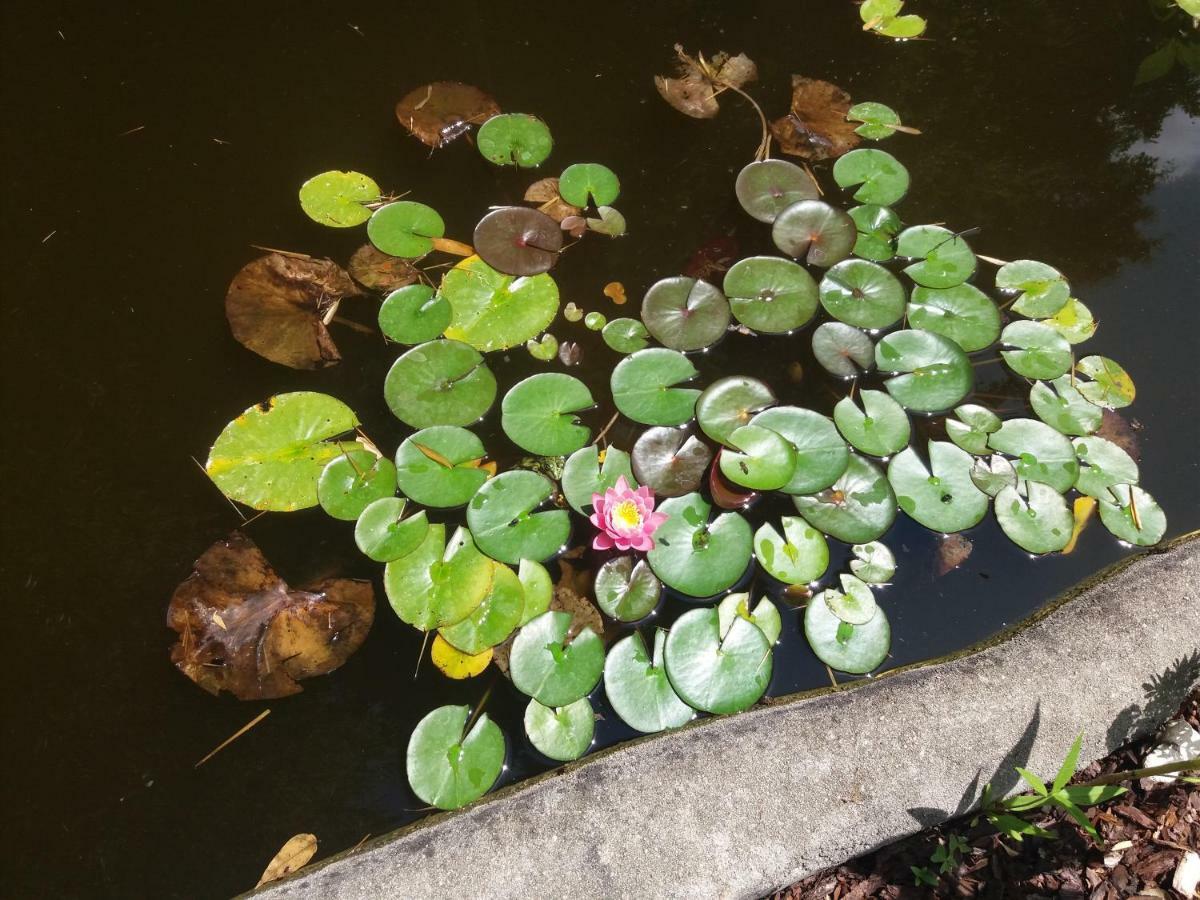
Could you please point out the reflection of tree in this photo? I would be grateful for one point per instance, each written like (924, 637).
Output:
(1042, 128)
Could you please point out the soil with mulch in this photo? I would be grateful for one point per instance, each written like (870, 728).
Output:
(1145, 833)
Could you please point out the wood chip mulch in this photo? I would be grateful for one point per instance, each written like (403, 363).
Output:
(1145, 833)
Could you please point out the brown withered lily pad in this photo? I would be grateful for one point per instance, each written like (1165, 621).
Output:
(438, 113)
(377, 271)
(545, 192)
(278, 307)
(243, 630)
(816, 128)
(694, 90)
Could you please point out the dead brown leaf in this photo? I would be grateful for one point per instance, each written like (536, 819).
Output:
(816, 128)
(295, 853)
(377, 271)
(438, 113)
(278, 306)
(269, 637)
(952, 553)
(1116, 428)
(694, 89)
(545, 193)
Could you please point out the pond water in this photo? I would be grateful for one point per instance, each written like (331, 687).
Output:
(147, 150)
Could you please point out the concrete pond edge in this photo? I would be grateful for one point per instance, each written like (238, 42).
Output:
(741, 805)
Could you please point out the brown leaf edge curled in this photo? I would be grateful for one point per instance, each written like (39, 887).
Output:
(699, 81)
(296, 853)
(278, 306)
(243, 630)
(815, 128)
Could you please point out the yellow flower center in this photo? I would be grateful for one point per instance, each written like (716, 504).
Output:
(626, 514)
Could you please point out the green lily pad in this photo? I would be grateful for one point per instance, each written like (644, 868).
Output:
(1074, 322)
(962, 313)
(880, 427)
(494, 619)
(821, 454)
(1104, 382)
(842, 349)
(1040, 522)
(854, 604)
(941, 497)
(1044, 290)
(625, 335)
(440, 382)
(714, 673)
(405, 228)
(383, 534)
(762, 460)
(862, 294)
(881, 178)
(877, 229)
(768, 187)
(799, 556)
(352, 481)
(584, 183)
(859, 507)
(502, 516)
(516, 240)
(936, 371)
(695, 556)
(901, 28)
(514, 139)
(584, 474)
(993, 474)
(538, 414)
(943, 259)
(555, 673)
(685, 313)
(627, 591)
(1060, 405)
(1143, 529)
(538, 587)
(494, 311)
(272, 455)
(879, 121)
(449, 767)
(643, 387)
(543, 349)
(564, 733)
(638, 688)
(670, 461)
(1041, 352)
(1102, 464)
(873, 562)
(765, 615)
(611, 222)
(338, 199)
(770, 294)
(440, 582)
(856, 649)
(439, 466)
(413, 314)
(729, 403)
(594, 321)
(971, 429)
(1042, 454)
(812, 229)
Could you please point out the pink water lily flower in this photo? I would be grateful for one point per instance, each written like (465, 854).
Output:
(625, 517)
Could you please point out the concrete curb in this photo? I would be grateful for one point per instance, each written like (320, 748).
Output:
(739, 806)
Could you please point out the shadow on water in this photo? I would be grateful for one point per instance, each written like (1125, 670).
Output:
(148, 147)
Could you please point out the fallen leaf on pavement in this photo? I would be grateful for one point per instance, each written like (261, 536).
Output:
(295, 853)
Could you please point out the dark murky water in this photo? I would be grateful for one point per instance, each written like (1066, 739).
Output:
(119, 367)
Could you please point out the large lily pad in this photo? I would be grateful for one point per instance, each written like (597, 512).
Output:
(516, 240)
(856, 649)
(643, 387)
(962, 313)
(441, 382)
(761, 459)
(638, 688)
(936, 373)
(799, 556)
(414, 314)
(862, 294)
(821, 454)
(880, 177)
(880, 427)
(842, 349)
(1041, 453)
(563, 733)
(1043, 289)
(538, 414)
(625, 590)
(715, 673)
(586, 473)
(670, 461)
(685, 313)
(942, 258)
(449, 767)
(1135, 517)
(504, 518)
(494, 619)
(1039, 351)
(405, 228)
(729, 403)
(941, 496)
(338, 199)
(271, 456)
(768, 187)
(440, 466)
(859, 507)
(544, 666)
(1039, 522)
(440, 582)
(815, 231)
(494, 311)
(1102, 464)
(696, 556)
(514, 139)
(770, 294)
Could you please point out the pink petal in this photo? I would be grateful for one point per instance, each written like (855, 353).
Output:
(622, 485)
(642, 543)
(598, 503)
(602, 542)
(597, 519)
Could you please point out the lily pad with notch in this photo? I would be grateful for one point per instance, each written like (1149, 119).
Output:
(625, 590)
(538, 414)
(815, 231)
(935, 373)
(383, 534)
(495, 311)
(962, 313)
(339, 199)
(414, 314)
(873, 562)
(684, 313)
(879, 121)
(940, 496)
(821, 454)
(1074, 321)
(546, 666)
(993, 474)
(879, 427)
(494, 619)
(729, 403)
(441, 467)
(351, 482)
(439, 583)
(863, 294)
(1102, 465)
(644, 387)
(405, 228)
(1104, 382)
(625, 335)
(586, 472)
(561, 733)
(765, 615)
(854, 604)
(670, 461)
(971, 428)
(638, 688)
(696, 556)
(943, 259)
(842, 349)
(770, 294)
(538, 587)
(448, 766)
(761, 459)
(514, 139)
(442, 382)
(859, 507)
(767, 187)
(504, 518)
(1135, 517)
(877, 229)
(856, 649)
(584, 184)
(1041, 453)
(1043, 289)
(1038, 522)
(881, 178)
(1060, 405)
(798, 556)
(515, 240)
(1039, 351)
(714, 672)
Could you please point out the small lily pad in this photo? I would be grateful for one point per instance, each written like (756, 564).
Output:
(1135, 517)
(440, 466)
(862, 294)
(495, 311)
(1041, 453)
(352, 481)
(936, 373)
(1074, 322)
(538, 414)
(821, 454)
(685, 313)
(971, 429)
(625, 335)
(1104, 382)
(770, 294)
(942, 496)
(1102, 464)
(550, 670)
(514, 139)
(585, 474)
(494, 619)
(942, 258)
(440, 582)
(761, 460)
(383, 534)
(625, 590)
(405, 228)
(440, 382)
(815, 231)
(859, 507)
(563, 733)
(1060, 405)
(715, 673)
(993, 474)
(879, 121)
(962, 313)
(854, 604)
(643, 387)
(584, 183)
(638, 688)
(1043, 289)
(856, 649)
(338, 199)
(516, 240)
(880, 427)
(873, 562)
(799, 556)
(670, 461)
(610, 222)
(1040, 522)
(880, 177)
(504, 520)
(842, 349)
(449, 767)
(695, 556)
(768, 187)
(1040, 351)
(414, 314)
(729, 403)
(765, 615)
(877, 230)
